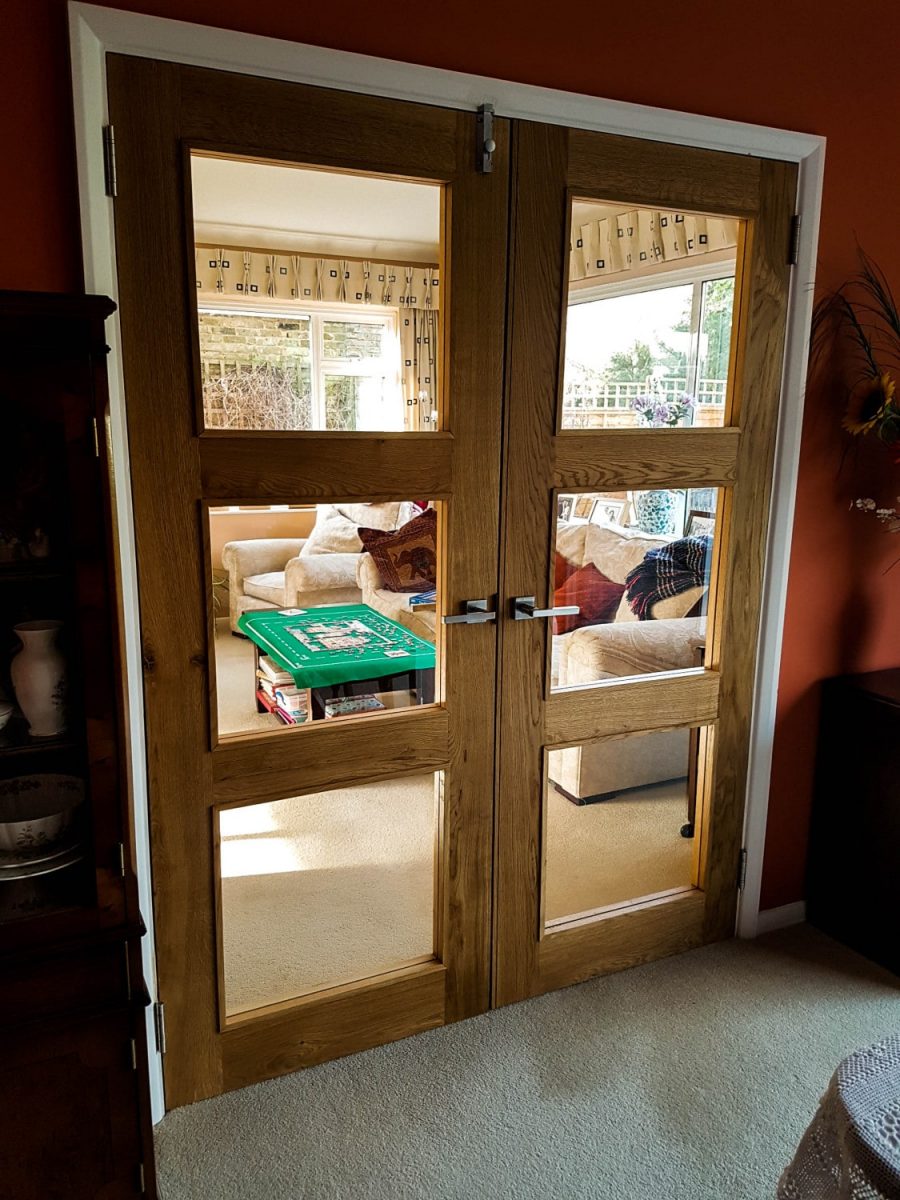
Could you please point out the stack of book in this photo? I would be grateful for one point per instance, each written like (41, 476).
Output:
(278, 693)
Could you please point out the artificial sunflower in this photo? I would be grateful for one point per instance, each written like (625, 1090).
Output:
(869, 403)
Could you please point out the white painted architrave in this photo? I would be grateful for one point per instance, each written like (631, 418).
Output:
(96, 31)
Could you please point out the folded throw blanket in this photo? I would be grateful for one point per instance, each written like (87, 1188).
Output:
(668, 571)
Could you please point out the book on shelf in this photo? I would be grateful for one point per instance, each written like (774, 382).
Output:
(291, 699)
(290, 713)
(268, 670)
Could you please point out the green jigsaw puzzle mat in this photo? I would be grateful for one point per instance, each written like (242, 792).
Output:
(339, 643)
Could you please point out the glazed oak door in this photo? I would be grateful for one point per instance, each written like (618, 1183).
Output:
(635, 506)
(321, 854)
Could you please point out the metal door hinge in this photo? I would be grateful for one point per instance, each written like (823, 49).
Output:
(142, 1179)
(742, 870)
(133, 1055)
(794, 247)
(109, 160)
(159, 1025)
(484, 161)
(120, 851)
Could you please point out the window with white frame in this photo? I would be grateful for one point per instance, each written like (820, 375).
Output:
(316, 367)
(651, 351)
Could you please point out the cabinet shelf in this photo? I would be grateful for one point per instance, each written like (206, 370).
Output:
(17, 743)
(34, 571)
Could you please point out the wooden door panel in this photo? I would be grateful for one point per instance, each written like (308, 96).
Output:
(662, 175)
(342, 1021)
(671, 700)
(646, 932)
(610, 459)
(347, 130)
(278, 468)
(553, 168)
(329, 754)
(161, 113)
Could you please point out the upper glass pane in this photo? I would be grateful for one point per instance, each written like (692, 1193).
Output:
(648, 327)
(318, 298)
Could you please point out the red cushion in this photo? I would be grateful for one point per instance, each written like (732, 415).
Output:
(562, 569)
(596, 596)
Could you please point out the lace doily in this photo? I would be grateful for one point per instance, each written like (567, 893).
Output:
(851, 1150)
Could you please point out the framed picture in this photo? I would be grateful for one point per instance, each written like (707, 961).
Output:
(584, 506)
(564, 507)
(607, 512)
(699, 522)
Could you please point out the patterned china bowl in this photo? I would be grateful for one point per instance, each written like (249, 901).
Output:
(36, 814)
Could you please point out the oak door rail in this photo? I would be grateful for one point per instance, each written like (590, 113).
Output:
(286, 467)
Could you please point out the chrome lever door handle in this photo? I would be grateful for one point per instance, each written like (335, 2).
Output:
(476, 613)
(524, 609)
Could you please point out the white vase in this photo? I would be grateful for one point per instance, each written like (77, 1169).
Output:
(39, 677)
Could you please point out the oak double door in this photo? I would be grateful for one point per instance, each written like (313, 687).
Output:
(418, 340)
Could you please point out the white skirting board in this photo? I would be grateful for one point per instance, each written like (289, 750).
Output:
(782, 917)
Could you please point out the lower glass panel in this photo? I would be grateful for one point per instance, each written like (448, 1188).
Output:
(324, 889)
(321, 611)
(618, 822)
(637, 566)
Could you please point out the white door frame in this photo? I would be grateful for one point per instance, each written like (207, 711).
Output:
(94, 31)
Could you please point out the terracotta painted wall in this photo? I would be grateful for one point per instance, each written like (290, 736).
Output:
(811, 65)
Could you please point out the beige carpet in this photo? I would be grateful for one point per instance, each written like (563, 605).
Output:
(687, 1079)
(319, 890)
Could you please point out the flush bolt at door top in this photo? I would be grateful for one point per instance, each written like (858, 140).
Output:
(486, 144)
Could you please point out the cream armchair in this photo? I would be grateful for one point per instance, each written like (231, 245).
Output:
(269, 573)
(305, 572)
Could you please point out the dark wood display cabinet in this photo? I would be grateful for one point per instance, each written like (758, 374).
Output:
(854, 850)
(73, 1055)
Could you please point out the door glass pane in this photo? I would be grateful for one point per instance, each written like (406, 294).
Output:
(637, 565)
(648, 325)
(321, 612)
(325, 889)
(619, 821)
(318, 298)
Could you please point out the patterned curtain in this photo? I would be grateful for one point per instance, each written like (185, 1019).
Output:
(628, 240)
(413, 290)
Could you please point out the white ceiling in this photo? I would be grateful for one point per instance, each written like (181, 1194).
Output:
(294, 208)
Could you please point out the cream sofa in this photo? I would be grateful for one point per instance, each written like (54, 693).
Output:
(624, 647)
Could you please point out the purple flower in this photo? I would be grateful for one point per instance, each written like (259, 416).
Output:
(659, 409)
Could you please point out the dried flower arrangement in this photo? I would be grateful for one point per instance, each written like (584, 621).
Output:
(860, 321)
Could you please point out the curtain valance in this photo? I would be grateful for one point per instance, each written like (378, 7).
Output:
(236, 272)
(628, 241)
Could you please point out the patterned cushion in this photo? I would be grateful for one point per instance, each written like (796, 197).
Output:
(407, 557)
(596, 596)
